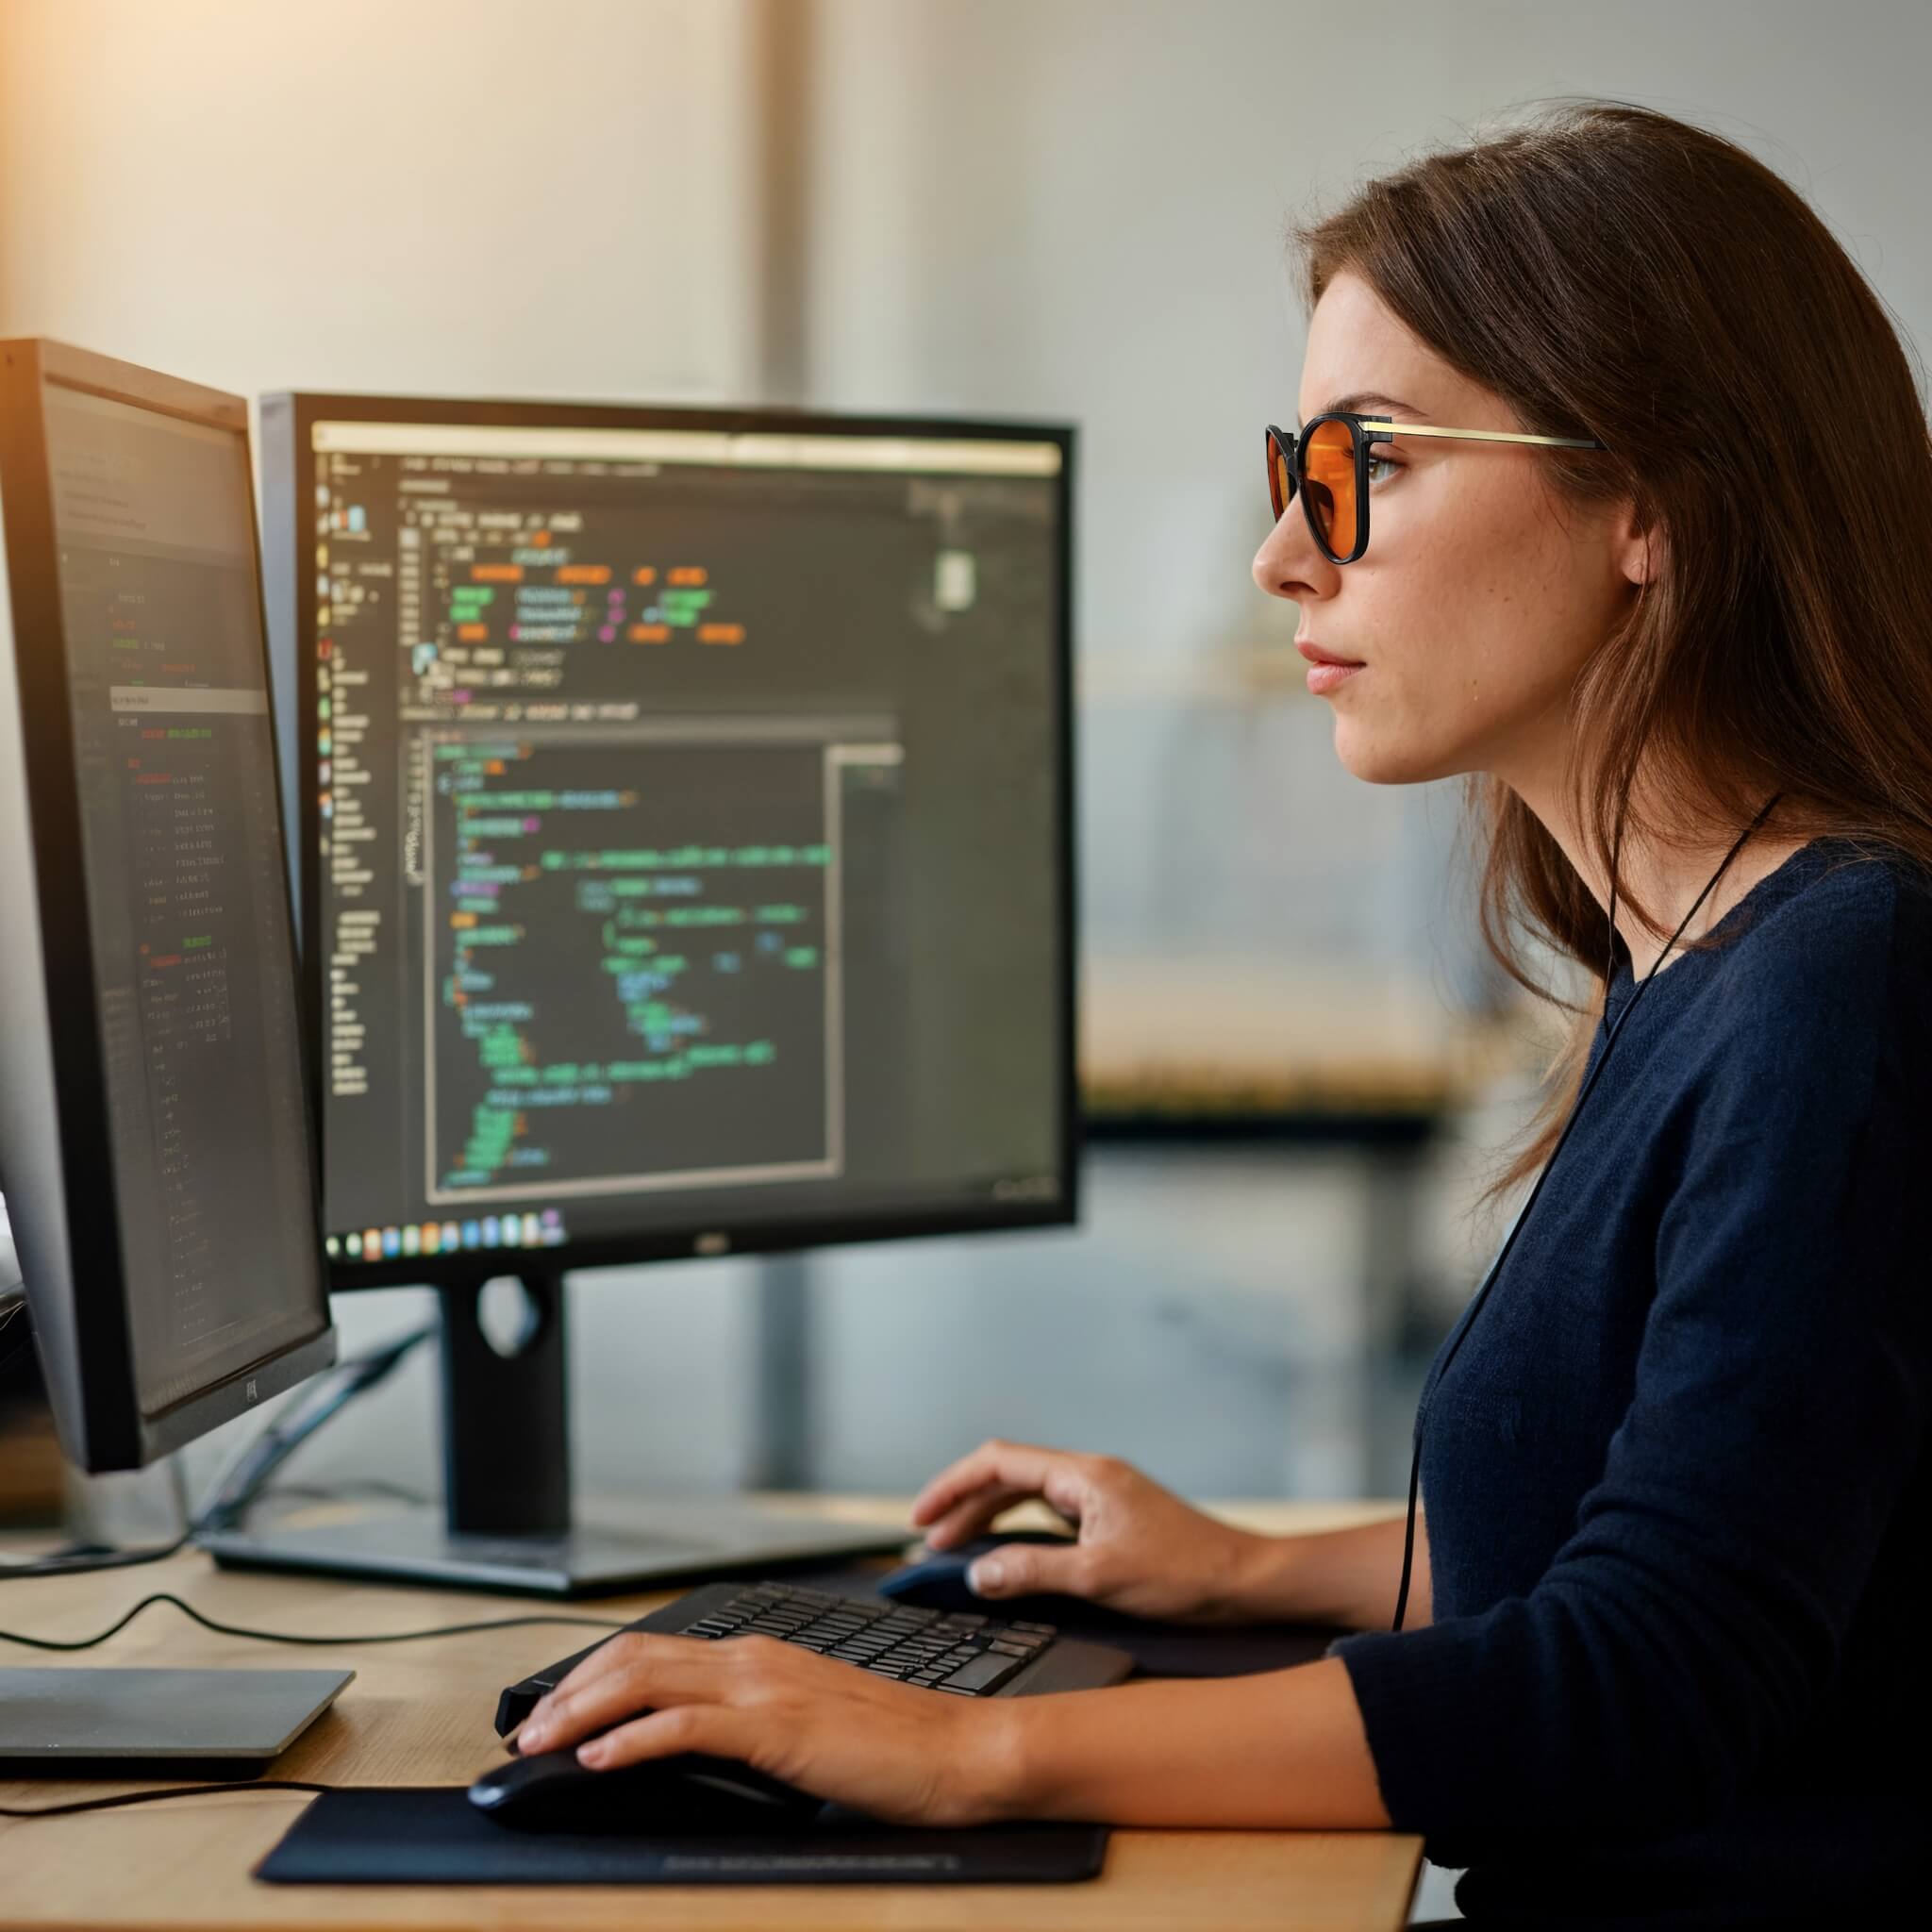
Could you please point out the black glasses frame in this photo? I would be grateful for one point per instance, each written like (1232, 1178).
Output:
(1291, 451)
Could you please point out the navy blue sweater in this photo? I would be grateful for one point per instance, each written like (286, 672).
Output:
(1675, 1480)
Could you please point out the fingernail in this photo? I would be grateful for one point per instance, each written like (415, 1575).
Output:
(987, 1574)
(531, 1738)
(593, 1753)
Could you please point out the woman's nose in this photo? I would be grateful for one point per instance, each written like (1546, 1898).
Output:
(1288, 563)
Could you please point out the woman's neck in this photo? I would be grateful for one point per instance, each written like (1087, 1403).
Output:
(1665, 877)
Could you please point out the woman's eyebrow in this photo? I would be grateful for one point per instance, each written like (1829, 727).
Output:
(1369, 402)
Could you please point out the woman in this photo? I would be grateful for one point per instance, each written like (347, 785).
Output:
(1666, 595)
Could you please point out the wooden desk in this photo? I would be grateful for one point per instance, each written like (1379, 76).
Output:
(420, 1713)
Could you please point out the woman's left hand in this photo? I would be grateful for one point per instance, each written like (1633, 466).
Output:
(907, 1756)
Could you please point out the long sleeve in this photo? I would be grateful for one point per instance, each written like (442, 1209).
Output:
(1694, 1616)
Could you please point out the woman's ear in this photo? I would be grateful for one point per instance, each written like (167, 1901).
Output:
(1638, 545)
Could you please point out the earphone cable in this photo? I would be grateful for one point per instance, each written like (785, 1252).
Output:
(1457, 1341)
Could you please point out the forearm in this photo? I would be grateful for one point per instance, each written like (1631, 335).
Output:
(1286, 1749)
(1344, 1576)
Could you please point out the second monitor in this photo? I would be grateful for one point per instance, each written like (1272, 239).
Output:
(685, 851)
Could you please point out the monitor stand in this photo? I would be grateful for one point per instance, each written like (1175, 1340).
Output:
(506, 1524)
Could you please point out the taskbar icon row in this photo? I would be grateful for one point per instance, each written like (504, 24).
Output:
(535, 1230)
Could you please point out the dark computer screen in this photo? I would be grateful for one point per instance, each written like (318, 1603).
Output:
(687, 825)
(186, 889)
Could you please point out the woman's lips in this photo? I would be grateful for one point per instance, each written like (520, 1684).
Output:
(1325, 670)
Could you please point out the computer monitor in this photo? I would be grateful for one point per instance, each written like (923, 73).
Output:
(155, 1134)
(155, 1146)
(685, 862)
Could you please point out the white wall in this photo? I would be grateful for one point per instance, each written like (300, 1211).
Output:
(460, 196)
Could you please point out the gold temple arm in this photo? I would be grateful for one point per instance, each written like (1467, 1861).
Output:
(1479, 435)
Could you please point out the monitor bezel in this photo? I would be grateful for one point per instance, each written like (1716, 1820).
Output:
(111, 1428)
(288, 482)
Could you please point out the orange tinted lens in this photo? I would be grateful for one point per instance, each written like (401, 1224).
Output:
(1330, 485)
(1280, 477)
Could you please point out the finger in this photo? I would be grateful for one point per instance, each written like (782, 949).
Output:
(972, 1514)
(1019, 1466)
(713, 1729)
(1032, 1569)
(1067, 1491)
(654, 1671)
(613, 1654)
(992, 1462)
(620, 1654)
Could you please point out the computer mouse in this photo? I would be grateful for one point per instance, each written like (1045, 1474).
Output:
(936, 1581)
(551, 1791)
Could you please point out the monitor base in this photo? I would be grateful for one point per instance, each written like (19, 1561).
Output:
(140, 1723)
(661, 1544)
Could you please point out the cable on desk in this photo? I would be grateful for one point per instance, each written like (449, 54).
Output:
(260, 1784)
(80, 1564)
(330, 1642)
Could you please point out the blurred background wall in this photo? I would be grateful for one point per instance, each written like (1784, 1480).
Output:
(1067, 208)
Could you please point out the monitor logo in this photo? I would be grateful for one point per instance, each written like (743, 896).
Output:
(249, 1393)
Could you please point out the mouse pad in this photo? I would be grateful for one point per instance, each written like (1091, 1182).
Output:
(433, 1835)
(1159, 1650)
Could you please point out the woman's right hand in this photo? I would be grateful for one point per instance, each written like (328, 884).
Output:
(1139, 1549)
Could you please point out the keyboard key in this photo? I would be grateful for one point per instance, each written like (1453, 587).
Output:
(983, 1674)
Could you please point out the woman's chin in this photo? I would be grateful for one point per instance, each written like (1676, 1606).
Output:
(1380, 757)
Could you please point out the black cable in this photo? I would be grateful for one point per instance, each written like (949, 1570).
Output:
(1415, 1466)
(328, 1642)
(257, 1784)
(7, 1318)
(349, 1485)
(244, 1478)
(81, 1565)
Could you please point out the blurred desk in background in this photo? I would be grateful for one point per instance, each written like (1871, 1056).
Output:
(1207, 1053)
(1202, 1047)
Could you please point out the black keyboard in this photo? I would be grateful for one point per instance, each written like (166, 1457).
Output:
(966, 1654)
(961, 1652)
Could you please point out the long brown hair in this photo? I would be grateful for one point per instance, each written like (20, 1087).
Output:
(1612, 272)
